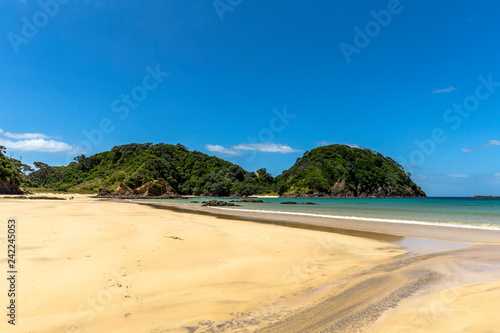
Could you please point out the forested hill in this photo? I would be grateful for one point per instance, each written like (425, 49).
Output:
(343, 171)
(165, 169)
(130, 166)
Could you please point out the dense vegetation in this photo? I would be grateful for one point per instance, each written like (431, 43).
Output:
(11, 173)
(329, 171)
(343, 171)
(188, 172)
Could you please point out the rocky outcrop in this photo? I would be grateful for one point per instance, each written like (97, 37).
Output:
(123, 190)
(9, 188)
(104, 192)
(155, 188)
(152, 189)
(339, 187)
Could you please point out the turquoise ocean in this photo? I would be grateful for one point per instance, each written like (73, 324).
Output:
(453, 212)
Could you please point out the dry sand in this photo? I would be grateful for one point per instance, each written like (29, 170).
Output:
(89, 265)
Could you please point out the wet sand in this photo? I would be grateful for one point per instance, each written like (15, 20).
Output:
(368, 229)
(90, 265)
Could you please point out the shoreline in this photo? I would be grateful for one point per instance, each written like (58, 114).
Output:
(368, 228)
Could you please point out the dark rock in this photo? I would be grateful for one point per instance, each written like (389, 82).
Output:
(217, 203)
(104, 192)
(9, 188)
(288, 203)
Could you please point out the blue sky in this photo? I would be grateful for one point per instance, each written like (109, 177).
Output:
(258, 83)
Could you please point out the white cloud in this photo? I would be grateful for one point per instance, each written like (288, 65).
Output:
(260, 147)
(222, 150)
(460, 175)
(38, 145)
(267, 148)
(443, 91)
(24, 135)
(467, 150)
(491, 143)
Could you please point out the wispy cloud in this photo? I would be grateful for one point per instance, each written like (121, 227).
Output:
(491, 143)
(460, 175)
(422, 176)
(24, 135)
(38, 145)
(222, 150)
(259, 147)
(497, 174)
(34, 142)
(267, 148)
(324, 143)
(467, 150)
(444, 91)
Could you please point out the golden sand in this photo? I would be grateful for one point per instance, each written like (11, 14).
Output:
(88, 265)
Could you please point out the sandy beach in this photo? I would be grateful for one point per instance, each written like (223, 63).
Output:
(90, 265)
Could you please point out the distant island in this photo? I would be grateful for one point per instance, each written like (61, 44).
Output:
(484, 197)
(166, 170)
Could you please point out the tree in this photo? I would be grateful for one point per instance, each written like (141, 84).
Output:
(79, 158)
(264, 176)
(45, 172)
(10, 168)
